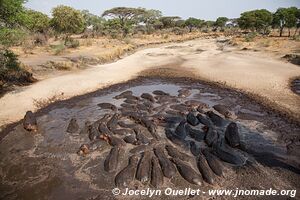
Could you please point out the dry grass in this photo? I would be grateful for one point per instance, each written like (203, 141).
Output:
(41, 103)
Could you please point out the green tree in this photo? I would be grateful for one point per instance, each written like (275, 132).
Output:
(10, 11)
(93, 20)
(150, 19)
(256, 20)
(285, 18)
(35, 21)
(221, 22)
(169, 21)
(127, 16)
(67, 20)
(193, 23)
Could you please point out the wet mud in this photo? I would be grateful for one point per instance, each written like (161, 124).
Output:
(87, 159)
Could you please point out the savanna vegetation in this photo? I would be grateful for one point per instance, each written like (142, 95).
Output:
(20, 26)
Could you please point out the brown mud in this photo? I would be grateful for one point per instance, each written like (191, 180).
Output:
(44, 165)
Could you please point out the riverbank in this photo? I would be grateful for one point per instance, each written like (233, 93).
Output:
(204, 59)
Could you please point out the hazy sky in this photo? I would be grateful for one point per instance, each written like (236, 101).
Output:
(203, 9)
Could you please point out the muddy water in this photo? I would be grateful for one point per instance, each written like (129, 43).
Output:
(45, 165)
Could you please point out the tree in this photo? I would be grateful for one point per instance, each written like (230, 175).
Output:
(10, 11)
(169, 21)
(256, 20)
(127, 16)
(35, 21)
(96, 22)
(208, 24)
(67, 20)
(285, 18)
(193, 23)
(221, 21)
(150, 18)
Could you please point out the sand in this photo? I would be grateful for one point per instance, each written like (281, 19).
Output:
(257, 73)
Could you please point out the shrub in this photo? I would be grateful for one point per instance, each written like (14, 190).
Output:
(10, 70)
(250, 37)
(11, 37)
(58, 49)
(71, 43)
(178, 31)
(40, 39)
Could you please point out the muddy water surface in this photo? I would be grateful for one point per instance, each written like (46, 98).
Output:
(45, 165)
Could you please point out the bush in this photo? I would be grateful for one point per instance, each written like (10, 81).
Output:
(250, 37)
(40, 39)
(71, 43)
(10, 70)
(11, 37)
(58, 49)
(178, 31)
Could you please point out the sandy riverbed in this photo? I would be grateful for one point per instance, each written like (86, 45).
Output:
(253, 72)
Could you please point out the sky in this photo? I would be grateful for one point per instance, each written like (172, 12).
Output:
(203, 9)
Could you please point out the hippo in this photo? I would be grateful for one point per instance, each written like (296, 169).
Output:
(203, 119)
(215, 164)
(152, 128)
(73, 126)
(232, 136)
(148, 97)
(175, 153)
(196, 104)
(180, 107)
(131, 139)
(130, 101)
(112, 140)
(124, 95)
(141, 138)
(166, 99)
(167, 166)
(194, 148)
(139, 149)
(143, 173)
(211, 136)
(192, 119)
(160, 93)
(112, 159)
(180, 130)
(125, 125)
(177, 140)
(30, 122)
(113, 122)
(183, 93)
(224, 111)
(205, 170)
(215, 118)
(93, 132)
(126, 176)
(123, 131)
(228, 154)
(187, 172)
(102, 128)
(107, 106)
(195, 134)
(157, 177)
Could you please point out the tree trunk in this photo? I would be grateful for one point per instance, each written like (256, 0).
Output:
(296, 31)
(289, 32)
(280, 32)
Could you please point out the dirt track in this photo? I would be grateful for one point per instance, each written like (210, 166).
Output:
(253, 72)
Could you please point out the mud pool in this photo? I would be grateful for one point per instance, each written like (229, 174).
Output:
(46, 164)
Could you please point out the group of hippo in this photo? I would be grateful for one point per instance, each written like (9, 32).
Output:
(165, 134)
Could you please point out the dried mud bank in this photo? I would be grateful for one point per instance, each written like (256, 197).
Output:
(45, 164)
